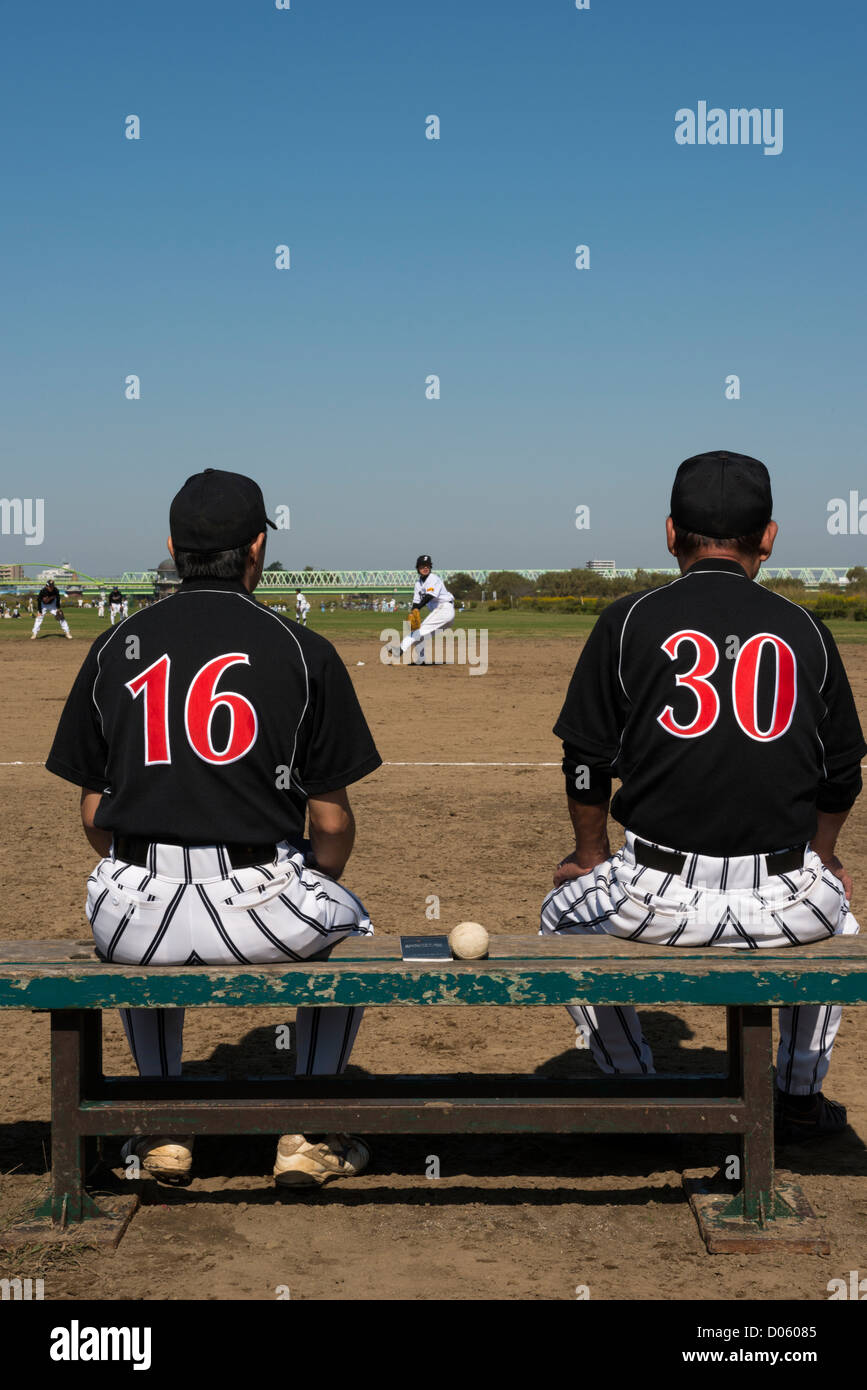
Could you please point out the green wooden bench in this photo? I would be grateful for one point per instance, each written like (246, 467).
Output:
(66, 979)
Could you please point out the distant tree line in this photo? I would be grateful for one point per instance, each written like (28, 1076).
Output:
(582, 589)
(573, 583)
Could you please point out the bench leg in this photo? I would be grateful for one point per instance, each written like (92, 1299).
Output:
(762, 1213)
(69, 1212)
(734, 1049)
(756, 1041)
(72, 1045)
(91, 1077)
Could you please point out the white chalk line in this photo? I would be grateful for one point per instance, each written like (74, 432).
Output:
(392, 764)
(431, 764)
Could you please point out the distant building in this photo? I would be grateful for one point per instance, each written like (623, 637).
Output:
(61, 574)
(167, 579)
(601, 566)
(11, 574)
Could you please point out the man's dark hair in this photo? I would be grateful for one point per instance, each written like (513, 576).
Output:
(213, 564)
(688, 542)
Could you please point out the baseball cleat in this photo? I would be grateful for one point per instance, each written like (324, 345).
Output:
(301, 1164)
(163, 1157)
(33, 636)
(69, 636)
(797, 1118)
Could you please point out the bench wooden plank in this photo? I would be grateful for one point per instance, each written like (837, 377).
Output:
(503, 948)
(747, 979)
(502, 1114)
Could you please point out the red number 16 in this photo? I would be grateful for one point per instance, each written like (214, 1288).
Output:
(200, 706)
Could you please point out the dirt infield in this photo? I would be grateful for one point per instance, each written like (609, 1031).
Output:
(508, 1218)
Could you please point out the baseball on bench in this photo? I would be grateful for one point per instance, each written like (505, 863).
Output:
(469, 941)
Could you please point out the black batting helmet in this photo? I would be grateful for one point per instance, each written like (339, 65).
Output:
(424, 560)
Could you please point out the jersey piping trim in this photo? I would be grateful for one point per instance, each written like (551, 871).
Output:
(824, 763)
(817, 630)
(808, 614)
(650, 594)
(248, 598)
(695, 571)
(113, 633)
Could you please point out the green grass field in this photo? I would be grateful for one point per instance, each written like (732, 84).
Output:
(84, 623)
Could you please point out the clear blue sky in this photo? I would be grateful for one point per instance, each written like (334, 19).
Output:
(410, 257)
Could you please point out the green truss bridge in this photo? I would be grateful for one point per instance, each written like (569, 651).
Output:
(362, 581)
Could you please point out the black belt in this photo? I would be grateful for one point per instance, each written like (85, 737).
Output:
(134, 849)
(670, 862)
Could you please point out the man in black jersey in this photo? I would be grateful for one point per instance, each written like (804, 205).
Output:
(48, 601)
(115, 606)
(726, 713)
(203, 733)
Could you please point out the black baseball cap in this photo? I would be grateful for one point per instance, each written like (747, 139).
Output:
(216, 510)
(422, 561)
(721, 495)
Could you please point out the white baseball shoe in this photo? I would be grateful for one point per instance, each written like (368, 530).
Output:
(33, 636)
(69, 635)
(301, 1164)
(163, 1157)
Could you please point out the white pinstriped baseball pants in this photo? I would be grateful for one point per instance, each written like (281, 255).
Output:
(441, 616)
(55, 613)
(189, 907)
(730, 902)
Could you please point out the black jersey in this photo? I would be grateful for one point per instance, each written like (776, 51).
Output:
(209, 719)
(115, 596)
(723, 708)
(46, 596)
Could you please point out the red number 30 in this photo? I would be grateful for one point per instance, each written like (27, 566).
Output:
(745, 685)
(200, 706)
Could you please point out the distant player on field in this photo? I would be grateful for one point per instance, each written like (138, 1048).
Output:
(115, 606)
(430, 594)
(48, 601)
(302, 608)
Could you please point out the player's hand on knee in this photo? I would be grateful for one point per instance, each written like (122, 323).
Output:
(573, 867)
(566, 869)
(836, 868)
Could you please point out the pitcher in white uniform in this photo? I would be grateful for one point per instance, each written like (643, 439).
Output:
(430, 593)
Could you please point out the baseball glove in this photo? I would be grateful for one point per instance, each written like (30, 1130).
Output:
(414, 619)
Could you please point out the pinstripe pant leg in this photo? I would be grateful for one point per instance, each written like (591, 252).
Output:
(323, 1040)
(156, 1039)
(614, 1037)
(807, 1035)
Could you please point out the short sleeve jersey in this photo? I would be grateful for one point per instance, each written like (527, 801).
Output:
(209, 719)
(431, 592)
(48, 598)
(724, 709)
(115, 596)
